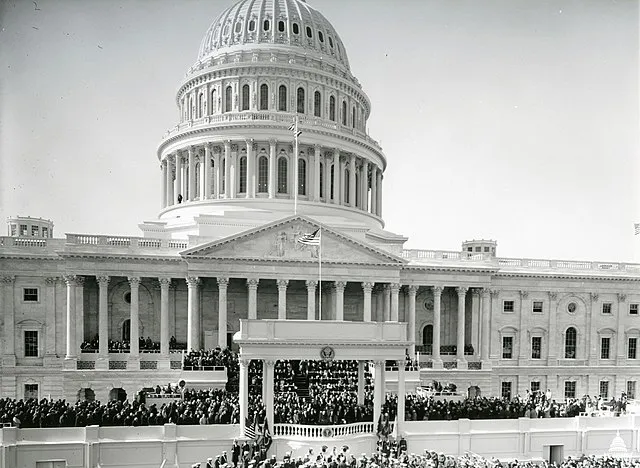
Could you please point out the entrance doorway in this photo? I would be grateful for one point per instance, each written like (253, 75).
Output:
(118, 394)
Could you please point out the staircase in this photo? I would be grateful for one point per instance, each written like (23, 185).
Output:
(302, 385)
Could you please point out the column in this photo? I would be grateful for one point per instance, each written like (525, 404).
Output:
(378, 392)
(9, 358)
(462, 293)
(620, 336)
(401, 395)
(243, 394)
(412, 291)
(311, 299)
(366, 290)
(352, 180)
(374, 190)
(103, 318)
(218, 174)
(379, 294)
(164, 316)
(201, 176)
(327, 181)
(191, 187)
(223, 283)
(165, 184)
(339, 288)
(361, 382)
(387, 303)
(79, 309)
(267, 383)
(134, 351)
(71, 318)
(252, 302)
(207, 173)
(336, 177)
(394, 288)
(251, 170)
(282, 298)
(272, 169)
(592, 332)
(379, 193)
(227, 169)
(485, 329)
(316, 173)
(522, 339)
(178, 183)
(435, 353)
(476, 315)
(50, 317)
(552, 355)
(364, 177)
(233, 172)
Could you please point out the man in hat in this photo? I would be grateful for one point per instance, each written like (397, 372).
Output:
(209, 462)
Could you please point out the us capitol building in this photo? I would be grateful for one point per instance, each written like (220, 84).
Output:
(224, 247)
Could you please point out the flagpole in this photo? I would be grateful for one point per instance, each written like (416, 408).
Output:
(320, 276)
(295, 168)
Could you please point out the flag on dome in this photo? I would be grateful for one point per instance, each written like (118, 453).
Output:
(637, 228)
(294, 128)
(310, 239)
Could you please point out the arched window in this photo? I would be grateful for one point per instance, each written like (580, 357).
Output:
(252, 25)
(282, 98)
(243, 175)
(280, 26)
(320, 36)
(332, 182)
(317, 104)
(263, 174)
(321, 180)
(238, 27)
(302, 177)
(300, 101)
(190, 109)
(427, 335)
(570, 340)
(282, 175)
(228, 100)
(332, 109)
(214, 102)
(245, 97)
(353, 117)
(266, 25)
(344, 113)
(264, 97)
(309, 32)
(201, 105)
(346, 185)
(296, 29)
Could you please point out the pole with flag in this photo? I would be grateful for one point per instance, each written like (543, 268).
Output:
(315, 239)
(636, 228)
(296, 133)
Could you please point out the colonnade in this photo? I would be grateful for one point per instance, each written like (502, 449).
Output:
(248, 169)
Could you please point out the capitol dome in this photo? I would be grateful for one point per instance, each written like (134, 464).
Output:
(273, 23)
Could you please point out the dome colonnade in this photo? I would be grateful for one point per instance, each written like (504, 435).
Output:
(261, 66)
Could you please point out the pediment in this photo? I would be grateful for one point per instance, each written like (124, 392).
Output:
(278, 241)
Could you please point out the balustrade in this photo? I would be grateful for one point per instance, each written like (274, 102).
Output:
(322, 432)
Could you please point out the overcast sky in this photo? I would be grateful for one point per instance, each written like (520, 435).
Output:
(514, 120)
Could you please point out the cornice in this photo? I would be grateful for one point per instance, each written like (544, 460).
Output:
(312, 262)
(450, 269)
(116, 256)
(26, 256)
(565, 276)
(308, 344)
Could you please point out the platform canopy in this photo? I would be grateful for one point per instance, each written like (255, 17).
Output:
(322, 340)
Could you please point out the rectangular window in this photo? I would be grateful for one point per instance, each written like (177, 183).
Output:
(631, 389)
(507, 347)
(14, 230)
(486, 249)
(31, 391)
(537, 307)
(633, 309)
(569, 389)
(507, 306)
(30, 294)
(469, 249)
(605, 343)
(31, 344)
(35, 231)
(606, 308)
(23, 229)
(45, 232)
(505, 390)
(632, 352)
(604, 389)
(535, 386)
(536, 347)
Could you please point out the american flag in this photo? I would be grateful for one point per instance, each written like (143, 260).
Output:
(250, 429)
(310, 239)
(637, 228)
(294, 128)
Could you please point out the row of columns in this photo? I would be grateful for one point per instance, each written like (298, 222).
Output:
(180, 170)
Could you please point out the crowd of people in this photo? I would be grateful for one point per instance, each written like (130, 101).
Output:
(124, 346)
(394, 454)
(206, 359)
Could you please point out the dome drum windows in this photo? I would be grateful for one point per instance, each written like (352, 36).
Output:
(228, 98)
(263, 174)
(245, 97)
(302, 177)
(300, 108)
(281, 26)
(264, 97)
(266, 25)
(295, 28)
(282, 98)
(252, 25)
(317, 104)
(282, 175)
(344, 113)
(332, 108)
